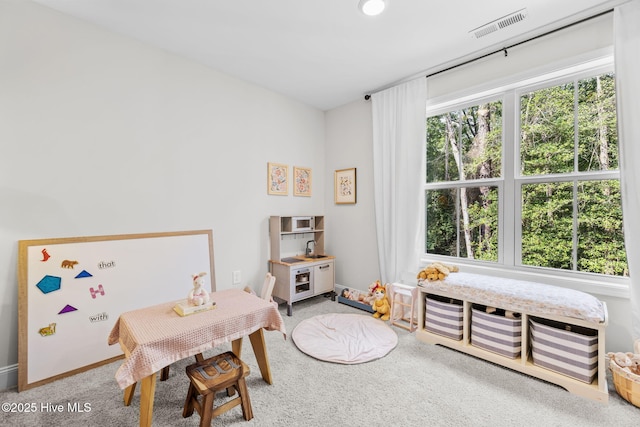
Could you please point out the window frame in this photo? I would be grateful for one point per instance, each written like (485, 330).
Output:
(510, 183)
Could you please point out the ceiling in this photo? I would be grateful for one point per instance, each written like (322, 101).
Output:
(326, 53)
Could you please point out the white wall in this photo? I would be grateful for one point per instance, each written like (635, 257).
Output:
(100, 134)
(352, 227)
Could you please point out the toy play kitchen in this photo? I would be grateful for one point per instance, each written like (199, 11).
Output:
(298, 261)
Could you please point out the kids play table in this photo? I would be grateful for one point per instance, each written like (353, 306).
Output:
(154, 337)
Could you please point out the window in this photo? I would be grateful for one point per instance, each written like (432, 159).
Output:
(528, 177)
(463, 150)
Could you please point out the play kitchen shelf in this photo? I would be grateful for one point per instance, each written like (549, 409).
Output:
(298, 261)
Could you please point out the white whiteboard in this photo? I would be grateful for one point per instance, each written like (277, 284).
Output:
(72, 291)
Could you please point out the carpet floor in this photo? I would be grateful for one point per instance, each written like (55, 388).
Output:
(416, 384)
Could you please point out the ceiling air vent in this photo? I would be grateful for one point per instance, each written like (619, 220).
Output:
(499, 24)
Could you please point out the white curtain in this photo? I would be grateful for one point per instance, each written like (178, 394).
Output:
(399, 132)
(627, 65)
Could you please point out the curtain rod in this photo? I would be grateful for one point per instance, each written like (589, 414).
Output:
(506, 48)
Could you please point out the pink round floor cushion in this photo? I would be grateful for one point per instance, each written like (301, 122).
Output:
(344, 338)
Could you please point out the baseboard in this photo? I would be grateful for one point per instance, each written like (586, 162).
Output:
(8, 377)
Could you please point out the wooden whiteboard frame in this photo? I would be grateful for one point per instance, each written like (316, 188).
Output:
(27, 263)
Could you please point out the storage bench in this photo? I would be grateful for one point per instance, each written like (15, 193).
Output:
(536, 344)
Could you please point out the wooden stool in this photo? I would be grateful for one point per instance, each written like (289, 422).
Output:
(403, 301)
(224, 371)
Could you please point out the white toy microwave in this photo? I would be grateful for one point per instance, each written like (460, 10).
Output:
(302, 223)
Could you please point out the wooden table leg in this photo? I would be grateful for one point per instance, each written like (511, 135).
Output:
(128, 394)
(164, 373)
(236, 347)
(260, 350)
(147, 392)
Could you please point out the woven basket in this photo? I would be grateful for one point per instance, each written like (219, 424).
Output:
(627, 384)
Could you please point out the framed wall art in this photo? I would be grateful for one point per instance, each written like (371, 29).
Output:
(345, 186)
(301, 181)
(277, 179)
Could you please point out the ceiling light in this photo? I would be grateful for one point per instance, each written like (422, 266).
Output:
(371, 7)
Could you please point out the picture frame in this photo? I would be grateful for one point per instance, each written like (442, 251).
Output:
(277, 179)
(345, 186)
(301, 181)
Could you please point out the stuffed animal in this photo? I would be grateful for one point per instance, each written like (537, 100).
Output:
(501, 312)
(430, 273)
(621, 359)
(198, 295)
(635, 363)
(436, 271)
(381, 305)
(635, 359)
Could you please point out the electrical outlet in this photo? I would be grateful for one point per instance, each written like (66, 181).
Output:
(237, 277)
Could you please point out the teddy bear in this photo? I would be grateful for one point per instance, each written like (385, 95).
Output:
(381, 306)
(436, 271)
(198, 295)
(430, 273)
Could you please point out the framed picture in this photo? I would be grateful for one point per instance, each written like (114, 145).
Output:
(345, 186)
(301, 181)
(277, 179)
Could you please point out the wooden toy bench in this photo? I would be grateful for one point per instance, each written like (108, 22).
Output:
(557, 334)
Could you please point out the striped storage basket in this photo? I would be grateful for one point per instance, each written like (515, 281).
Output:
(443, 316)
(496, 333)
(573, 352)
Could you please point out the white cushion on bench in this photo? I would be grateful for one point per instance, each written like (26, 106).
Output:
(520, 295)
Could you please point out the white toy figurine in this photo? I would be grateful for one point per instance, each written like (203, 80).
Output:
(198, 295)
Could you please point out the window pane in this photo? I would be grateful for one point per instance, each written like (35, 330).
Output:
(467, 227)
(547, 131)
(547, 225)
(479, 229)
(600, 239)
(441, 227)
(442, 139)
(481, 138)
(472, 136)
(598, 144)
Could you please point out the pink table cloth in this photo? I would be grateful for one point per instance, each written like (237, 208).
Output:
(154, 337)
